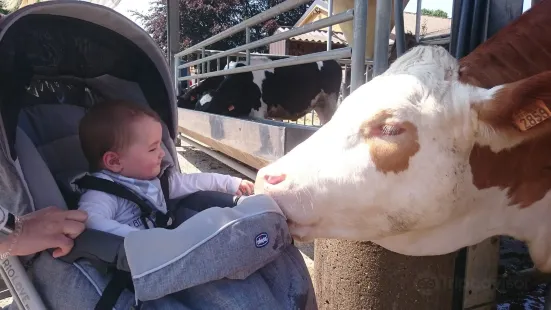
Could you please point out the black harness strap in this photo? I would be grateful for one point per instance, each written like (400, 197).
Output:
(164, 185)
(102, 185)
(120, 281)
(165, 220)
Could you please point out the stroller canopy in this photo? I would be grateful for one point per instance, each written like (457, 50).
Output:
(76, 39)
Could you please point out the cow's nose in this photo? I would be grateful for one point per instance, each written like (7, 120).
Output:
(274, 179)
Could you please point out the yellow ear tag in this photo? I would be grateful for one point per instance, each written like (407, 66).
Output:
(531, 115)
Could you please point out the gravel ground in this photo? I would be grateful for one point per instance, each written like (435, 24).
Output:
(6, 301)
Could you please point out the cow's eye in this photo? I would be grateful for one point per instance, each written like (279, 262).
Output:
(391, 130)
(382, 130)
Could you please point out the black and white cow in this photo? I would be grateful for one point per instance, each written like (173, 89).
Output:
(280, 93)
(192, 94)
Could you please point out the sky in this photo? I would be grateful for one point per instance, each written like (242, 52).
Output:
(125, 6)
(444, 5)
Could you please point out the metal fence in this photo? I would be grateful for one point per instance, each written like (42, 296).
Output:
(198, 59)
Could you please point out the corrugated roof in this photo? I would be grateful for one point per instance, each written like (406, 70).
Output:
(317, 36)
(318, 3)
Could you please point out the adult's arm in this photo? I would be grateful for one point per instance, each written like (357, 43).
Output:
(48, 228)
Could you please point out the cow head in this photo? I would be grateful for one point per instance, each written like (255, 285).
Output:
(423, 164)
(236, 96)
(196, 92)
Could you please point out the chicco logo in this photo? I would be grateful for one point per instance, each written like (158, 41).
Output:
(261, 240)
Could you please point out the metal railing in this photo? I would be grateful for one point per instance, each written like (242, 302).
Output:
(336, 19)
(353, 56)
(340, 54)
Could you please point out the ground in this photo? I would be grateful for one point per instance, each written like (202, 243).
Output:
(6, 301)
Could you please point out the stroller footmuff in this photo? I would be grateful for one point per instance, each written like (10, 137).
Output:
(57, 59)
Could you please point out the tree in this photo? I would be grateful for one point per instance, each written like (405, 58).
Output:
(201, 19)
(3, 9)
(435, 13)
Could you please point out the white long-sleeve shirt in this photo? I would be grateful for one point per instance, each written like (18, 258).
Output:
(109, 213)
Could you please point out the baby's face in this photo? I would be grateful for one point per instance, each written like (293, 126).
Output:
(142, 158)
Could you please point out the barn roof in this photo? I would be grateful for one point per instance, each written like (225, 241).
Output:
(316, 36)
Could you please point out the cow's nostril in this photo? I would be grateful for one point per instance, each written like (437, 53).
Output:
(274, 179)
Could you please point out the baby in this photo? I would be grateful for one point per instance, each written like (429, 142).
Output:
(122, 142)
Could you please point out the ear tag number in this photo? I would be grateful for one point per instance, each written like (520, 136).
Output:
(531, 115)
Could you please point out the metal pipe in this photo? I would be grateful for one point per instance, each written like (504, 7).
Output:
(216, 52)
(247, 41)
(464, 23)
(176, 63)
(257, 19)
(173, 29)
(222, 158)
(321, 56)
(477, 23)
(486, 21)
(358, 48)
(341, 61)
(382, 36)
(330, 28)
(456, 10)
(400, 38)
(335, 19)
(418, 21)
(203, 63)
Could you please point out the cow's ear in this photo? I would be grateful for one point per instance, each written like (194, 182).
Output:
(516, 111)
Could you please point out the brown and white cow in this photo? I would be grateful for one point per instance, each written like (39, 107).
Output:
(430, 156)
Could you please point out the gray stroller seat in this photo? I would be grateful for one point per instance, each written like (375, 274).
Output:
(221, 258)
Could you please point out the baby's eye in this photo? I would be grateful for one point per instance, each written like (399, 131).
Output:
(153, 149)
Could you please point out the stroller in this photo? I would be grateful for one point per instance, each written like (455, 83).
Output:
(59, 58)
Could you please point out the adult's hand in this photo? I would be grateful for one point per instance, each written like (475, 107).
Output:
(48, 228)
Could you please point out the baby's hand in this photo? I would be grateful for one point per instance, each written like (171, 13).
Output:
(245, 188)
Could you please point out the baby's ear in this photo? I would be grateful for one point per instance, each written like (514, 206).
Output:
(519, 110)
(111, 161)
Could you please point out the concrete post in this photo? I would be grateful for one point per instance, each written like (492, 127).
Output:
(362, 275)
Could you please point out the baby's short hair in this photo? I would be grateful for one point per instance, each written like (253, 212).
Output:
(106, 127)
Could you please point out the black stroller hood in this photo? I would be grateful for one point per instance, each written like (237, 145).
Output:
(82, 40)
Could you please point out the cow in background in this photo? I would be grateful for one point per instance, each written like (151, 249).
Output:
(193, 93)
(280, 93)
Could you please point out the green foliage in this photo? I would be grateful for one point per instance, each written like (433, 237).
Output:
(435, 13)
(201, 19)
